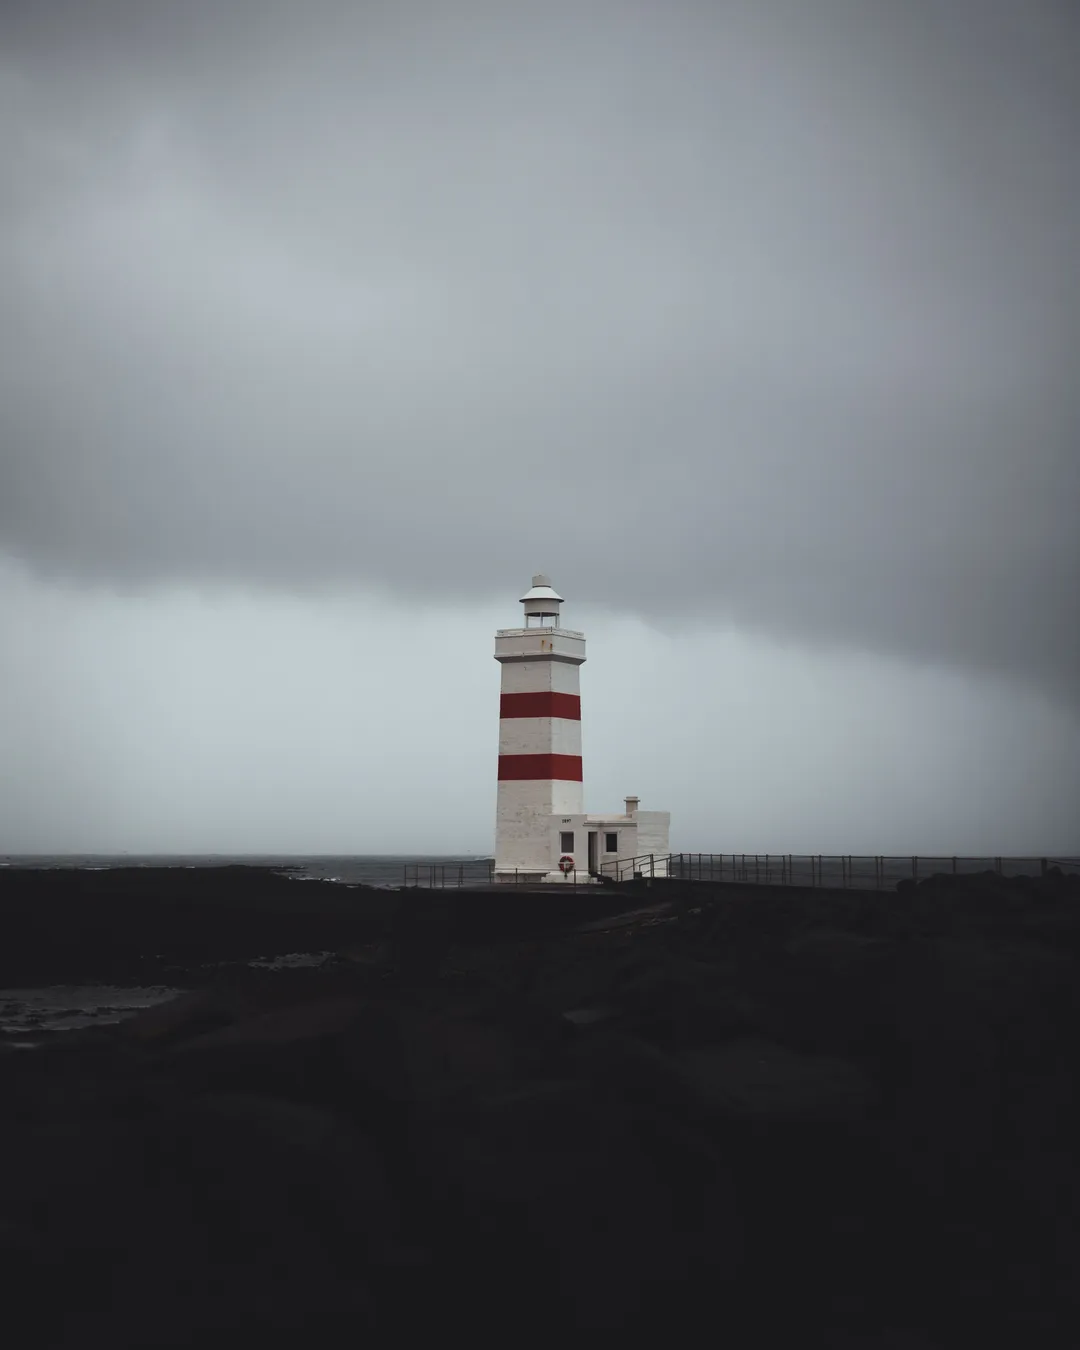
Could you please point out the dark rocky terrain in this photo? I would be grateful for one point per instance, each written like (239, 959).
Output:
(757, 1116)
(133, 924)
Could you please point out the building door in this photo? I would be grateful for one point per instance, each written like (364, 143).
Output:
(593, 852)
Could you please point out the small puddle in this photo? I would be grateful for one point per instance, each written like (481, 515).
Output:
(66, 1007)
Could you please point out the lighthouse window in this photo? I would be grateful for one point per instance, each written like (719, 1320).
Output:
(611, 843)
(567, 841)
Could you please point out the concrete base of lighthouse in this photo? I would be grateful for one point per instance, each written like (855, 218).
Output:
(615, 845)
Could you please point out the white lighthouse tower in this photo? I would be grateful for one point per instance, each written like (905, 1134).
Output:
(539, 736)
(540, 816)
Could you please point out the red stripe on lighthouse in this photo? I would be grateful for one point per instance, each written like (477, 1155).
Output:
(565, 767)
(543, 703)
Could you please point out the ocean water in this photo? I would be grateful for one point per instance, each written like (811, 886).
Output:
(387, 870)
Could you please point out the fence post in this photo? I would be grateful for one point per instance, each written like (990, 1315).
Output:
(652, 864)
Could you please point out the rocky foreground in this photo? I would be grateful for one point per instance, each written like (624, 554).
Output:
(767, 1119)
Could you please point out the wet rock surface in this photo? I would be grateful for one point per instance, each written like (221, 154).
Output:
(773, 1118)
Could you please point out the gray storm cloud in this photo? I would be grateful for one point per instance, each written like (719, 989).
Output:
(756, 311)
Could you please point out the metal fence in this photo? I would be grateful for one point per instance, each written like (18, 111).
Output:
(868, 872)
(458, 875)
(440, 875)
(462, 875)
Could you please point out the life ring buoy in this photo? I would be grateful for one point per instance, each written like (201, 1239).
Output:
(566, 864)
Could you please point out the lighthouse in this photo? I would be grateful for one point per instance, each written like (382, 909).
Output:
(541, 830)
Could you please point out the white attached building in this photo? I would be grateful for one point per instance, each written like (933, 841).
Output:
(542, 831)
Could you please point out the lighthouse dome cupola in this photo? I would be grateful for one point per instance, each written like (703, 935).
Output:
(541, 603)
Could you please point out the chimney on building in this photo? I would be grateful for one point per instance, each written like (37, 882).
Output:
(632, 805)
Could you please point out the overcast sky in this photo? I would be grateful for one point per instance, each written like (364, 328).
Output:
(324, 325)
